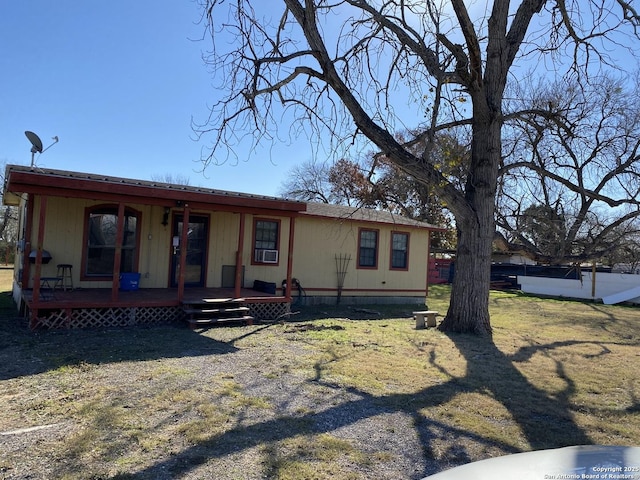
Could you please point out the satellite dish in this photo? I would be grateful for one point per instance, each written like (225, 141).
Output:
(35, 142)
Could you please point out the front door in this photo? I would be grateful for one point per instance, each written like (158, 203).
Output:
(196, 263)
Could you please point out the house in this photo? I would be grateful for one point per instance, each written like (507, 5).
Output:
(105, 251)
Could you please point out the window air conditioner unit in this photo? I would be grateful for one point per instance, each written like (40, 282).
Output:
(267, 256)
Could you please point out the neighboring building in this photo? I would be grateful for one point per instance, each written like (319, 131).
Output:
(116, 232)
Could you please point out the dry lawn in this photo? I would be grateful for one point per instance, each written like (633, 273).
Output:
(338, 393)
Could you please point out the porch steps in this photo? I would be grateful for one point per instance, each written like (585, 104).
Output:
(209, 311)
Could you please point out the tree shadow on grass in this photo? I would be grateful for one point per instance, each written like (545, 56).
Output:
(23, 352)
(545, 420)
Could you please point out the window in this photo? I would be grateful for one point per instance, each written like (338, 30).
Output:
(399, 251)
(100, 245)
(368, 249)
(265, 241)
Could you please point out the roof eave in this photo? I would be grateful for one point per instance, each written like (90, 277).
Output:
(20, 181)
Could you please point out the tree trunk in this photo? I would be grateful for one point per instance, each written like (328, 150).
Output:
(469, 305)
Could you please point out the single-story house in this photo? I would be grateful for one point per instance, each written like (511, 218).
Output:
(104, 251)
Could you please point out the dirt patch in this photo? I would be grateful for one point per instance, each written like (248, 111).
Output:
(305, 327)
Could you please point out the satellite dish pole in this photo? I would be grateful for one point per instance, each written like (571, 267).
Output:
(36, 144)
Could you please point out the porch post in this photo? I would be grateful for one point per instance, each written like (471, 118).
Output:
(292, 230)
(237, 285)
(183, 251)
(117, 257)
(28, 231)
(38, 271)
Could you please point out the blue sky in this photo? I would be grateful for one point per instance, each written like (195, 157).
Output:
(119, 83)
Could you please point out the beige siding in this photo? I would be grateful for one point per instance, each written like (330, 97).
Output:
(223, 244)
(155, 248)
(64, 234)
(317, 242)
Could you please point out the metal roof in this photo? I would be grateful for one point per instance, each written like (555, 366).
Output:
(23, 179)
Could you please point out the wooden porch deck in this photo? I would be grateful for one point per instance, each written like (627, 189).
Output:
(83, 307)
(143, 297)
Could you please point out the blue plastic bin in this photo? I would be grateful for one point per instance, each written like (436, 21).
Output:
(129, 281)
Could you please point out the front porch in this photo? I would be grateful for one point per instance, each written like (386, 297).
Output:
(91, 308)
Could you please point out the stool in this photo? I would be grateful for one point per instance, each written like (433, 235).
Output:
(65, 274)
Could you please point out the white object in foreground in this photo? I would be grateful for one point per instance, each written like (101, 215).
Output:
(581, 462)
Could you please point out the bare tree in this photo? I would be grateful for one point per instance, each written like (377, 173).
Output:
(626, 257)
(346, 69)
(173, 178)
(569, 192)
(373, 182)
(8, 225)
(309, 182)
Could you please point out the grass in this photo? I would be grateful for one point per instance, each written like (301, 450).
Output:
(340, 393)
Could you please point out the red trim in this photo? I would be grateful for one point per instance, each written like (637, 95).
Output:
(28, 231)
(376, 290)
(391, 267)
(292, 230)
(163, 298)
(175, 218)
(38, 265)
(266, 300)
(238, 278)
(377, 254)
(183, 250)
(117, 257)
(253, 240)
(111, 189)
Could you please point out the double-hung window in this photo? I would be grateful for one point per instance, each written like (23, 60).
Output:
(266, 234)
(368, 248)
(399, 251)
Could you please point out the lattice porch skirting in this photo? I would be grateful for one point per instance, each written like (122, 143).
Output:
(106, 317)
(269, 311)
(128, 316)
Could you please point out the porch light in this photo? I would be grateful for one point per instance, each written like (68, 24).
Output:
(165, 216)
(46, 256)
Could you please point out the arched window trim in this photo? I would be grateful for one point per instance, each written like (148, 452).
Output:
(113, 210)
